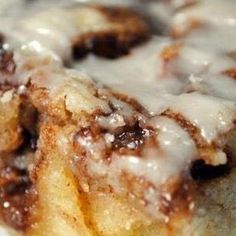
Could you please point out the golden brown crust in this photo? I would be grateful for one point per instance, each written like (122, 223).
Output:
(10, 129)
(57, 199)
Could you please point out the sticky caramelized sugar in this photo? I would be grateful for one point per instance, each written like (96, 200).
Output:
(130, 137)
(16, 195)
(7, 64)
(231, 73)
(111, 141)
(113, 43)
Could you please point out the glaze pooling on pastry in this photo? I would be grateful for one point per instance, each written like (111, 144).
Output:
(132, 127)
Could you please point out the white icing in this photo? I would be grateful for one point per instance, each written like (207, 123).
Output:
(7, 96)
(201, 61)
(213, 116)
(160, 13)
(217, 12)
(159, 164)
(138, 75)
(202, 58)
(42, 40)
(5, 231)
(46, 32)
(143, 81)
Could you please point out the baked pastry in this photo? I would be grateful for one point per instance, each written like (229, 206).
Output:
(140, 142)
